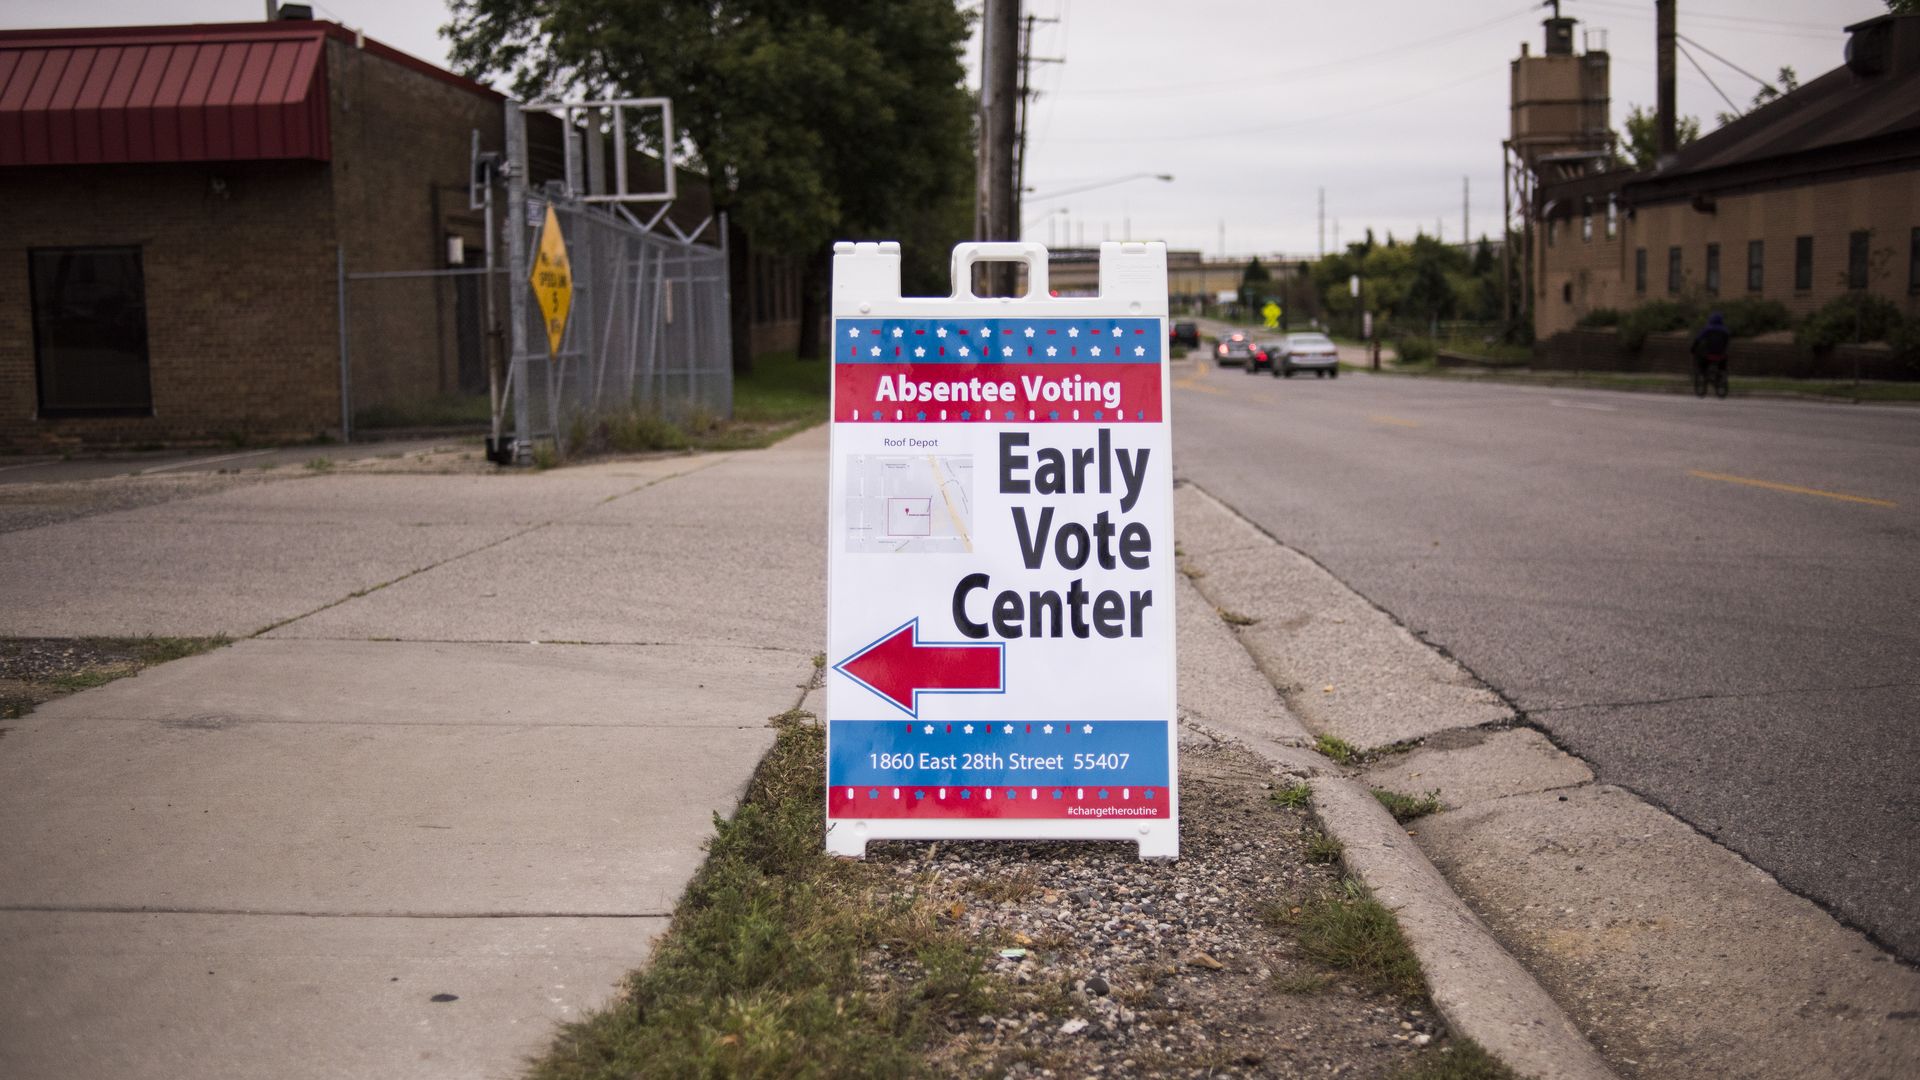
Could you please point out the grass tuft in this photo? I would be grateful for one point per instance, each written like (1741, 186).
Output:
(760, 973)
(1322, 848)
(1348, 930)
(1460, 1059)
(1293, 796)
(1234, 618)
(1338, 749)
(1405, 808)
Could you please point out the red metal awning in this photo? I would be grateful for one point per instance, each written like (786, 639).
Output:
(175, 95)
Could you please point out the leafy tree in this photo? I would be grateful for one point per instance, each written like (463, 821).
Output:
(1254, 274)
(1482, 257)
(1643, 135)
(1789, 82)
(810, 118)
(1904, 7)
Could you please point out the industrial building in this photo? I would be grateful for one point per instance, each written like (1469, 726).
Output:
(1809, 197)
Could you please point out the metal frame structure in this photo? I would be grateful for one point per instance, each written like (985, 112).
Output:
(570, 112)
(649, 307)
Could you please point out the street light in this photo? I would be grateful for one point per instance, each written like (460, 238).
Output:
(1162, 177)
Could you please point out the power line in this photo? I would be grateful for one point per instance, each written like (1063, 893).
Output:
(1688, 53)
(1728, 62)
(1739, 21)
(1296, 122)
(1172, 89)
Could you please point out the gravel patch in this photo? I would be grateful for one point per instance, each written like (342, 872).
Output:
(1106, 966)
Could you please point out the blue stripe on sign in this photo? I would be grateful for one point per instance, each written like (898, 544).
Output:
(940, 341)
(898, 753)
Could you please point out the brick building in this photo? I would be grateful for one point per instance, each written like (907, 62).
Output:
(1807, 198)
(175, 204)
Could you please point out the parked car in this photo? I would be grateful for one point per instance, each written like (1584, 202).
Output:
(1185, 333)
(1234, 350)
(1308, 352)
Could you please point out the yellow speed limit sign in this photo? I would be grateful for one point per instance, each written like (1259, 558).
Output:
(552, 280)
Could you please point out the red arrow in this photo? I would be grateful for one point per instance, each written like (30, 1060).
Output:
(899, 668)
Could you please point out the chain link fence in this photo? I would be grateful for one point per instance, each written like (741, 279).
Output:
(648, 329)
(415, 348)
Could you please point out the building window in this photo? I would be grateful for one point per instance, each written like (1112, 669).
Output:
(1713, 269)
(1640, 270)
(1613, 217)
(1857, 259)
(1756, 265)
(1586, 220)
(1803, 263)
(1673, 269)
(90, 331)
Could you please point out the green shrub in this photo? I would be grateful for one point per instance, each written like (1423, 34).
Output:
(1657, 316)
(1749, 316)
(1600, 316)
(1853, 317)
(1414, 350)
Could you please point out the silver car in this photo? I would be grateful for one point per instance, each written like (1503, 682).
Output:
(1308, 352)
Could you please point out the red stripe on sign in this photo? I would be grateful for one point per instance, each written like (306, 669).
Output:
(1039, 392)
(1028, 803)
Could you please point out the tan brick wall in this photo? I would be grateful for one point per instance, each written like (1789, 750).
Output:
(238, 260)
(1577, 277)
(401, 145)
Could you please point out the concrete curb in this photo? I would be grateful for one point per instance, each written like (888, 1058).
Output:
(1481, 991)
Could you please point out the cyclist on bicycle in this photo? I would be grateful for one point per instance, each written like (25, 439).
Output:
(1710, 347)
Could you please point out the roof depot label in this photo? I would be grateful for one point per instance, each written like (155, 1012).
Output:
(552, 280)
(1000, 616)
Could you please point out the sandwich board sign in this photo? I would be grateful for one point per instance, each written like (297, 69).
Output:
(1000, 631)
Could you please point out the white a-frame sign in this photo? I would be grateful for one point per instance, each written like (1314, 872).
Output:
(1000, 532)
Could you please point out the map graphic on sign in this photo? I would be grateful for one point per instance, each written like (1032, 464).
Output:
(1014, 678)
(909, 504)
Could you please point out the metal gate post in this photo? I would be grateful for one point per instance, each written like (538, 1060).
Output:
(516, 226)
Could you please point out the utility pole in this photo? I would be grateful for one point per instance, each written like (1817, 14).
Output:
(1027, 60)
(1323, 223)
(999, 70)
(1666, 110)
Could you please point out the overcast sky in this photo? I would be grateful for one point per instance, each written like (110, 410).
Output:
(1256, 104)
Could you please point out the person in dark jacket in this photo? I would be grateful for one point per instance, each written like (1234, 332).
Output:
(1711, 343)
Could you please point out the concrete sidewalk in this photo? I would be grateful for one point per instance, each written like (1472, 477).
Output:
(441, 794)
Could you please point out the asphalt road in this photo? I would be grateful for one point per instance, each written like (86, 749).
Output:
(1715, 603)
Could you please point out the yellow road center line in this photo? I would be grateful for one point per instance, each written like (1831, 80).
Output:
(1382, 418)
(1792, 489)
(1189, 384)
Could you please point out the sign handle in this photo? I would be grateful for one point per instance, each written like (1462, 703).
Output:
(1034, 255)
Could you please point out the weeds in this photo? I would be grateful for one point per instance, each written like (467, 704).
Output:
(1293, 796)
(1405, 808)
(1460, 1059)
(1004, 890)
(1322, 848)
(40, 669)
(1338, 749)
(320, 465)
(1348, 930)
(760, 973)
(1234, 618)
